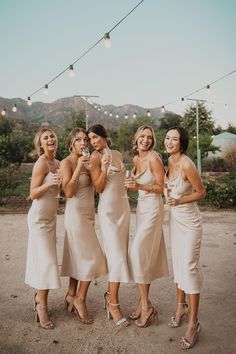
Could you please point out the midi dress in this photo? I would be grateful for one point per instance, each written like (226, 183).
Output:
(114, 217)
(147, 254)
(185, 228)
(83, 258)
(42, 271)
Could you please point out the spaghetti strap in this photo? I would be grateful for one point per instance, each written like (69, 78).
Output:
(42, 157)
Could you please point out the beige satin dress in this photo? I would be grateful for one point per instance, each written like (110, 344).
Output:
(114, 217)
(42, 271)
(185, 227)
(147, 254)
(83, 258)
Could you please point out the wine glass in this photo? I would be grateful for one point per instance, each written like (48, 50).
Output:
(58, 186)
(128, 174)
(167, 191)
(86, 153)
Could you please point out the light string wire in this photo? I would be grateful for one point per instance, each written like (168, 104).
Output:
(88, 50)
(202, 88)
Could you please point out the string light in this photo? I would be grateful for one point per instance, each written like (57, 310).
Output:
(107, 40)
(29, 102)
(3, 113)
(163, 109)
(208, 88)
(135, 115)
(45, 90)
(148, 113)
(105, 112)
(71, 71)
(14, 109)
(117, 115)
(110, 114)
(105, 37)
(126, 116)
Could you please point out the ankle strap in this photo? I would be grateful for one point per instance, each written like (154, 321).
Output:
(182, 303)
(114, 305)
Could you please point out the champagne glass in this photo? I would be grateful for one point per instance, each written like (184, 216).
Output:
(58, 186)
(128, 174)
(167, 191)
(86, 153)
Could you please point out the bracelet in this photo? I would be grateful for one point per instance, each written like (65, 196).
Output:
(74, 180)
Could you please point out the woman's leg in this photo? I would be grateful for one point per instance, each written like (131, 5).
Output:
(69, 298)
(113, 303)
(80, 302)
(41, 300)
(147, 309)
(192, 316)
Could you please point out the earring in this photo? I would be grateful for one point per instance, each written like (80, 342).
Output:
(41, 151)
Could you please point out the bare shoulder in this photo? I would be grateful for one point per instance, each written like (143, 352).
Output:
(40, 165)
(95, 156)
(65, 163)
(155, 156)
(188, 164)
(117, 153)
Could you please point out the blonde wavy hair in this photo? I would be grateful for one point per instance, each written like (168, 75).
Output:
(37, 139)
(137, 135)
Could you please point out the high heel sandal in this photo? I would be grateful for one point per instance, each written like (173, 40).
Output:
(68, 304)
(185, 344)
(134, 316)
(152, 317)
(38, 308)
(82, 319)
(105, 301)
(173, 323)
(122, 321)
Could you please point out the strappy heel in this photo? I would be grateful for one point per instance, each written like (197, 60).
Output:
(122, 321)
(153, 316)
(185, 344)
(68, 304)
(105, 301)
(39, 309)
(133, 315)
(173, 323)
(84, 320)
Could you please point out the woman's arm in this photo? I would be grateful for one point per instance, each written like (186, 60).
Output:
(191, 174)
(37, 187)
(70, 179)
(98, 170)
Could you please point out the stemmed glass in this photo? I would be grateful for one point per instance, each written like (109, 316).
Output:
(167, 191)
(128, 174)
(86, 153)
(58, 186)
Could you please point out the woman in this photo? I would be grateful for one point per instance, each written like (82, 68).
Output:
(107, 174)
(42, 270)
(82, 257)
(185, 188)
(147, 255)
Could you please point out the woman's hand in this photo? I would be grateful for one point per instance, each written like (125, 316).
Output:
(173, 201)
(105, 161)
(130, 183)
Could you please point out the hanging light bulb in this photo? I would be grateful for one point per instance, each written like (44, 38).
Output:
(148, 113)
(105, 112)
(126, 116)
(71, 71)
(110, 114)
(95, 106)
(99, 109)
(45, 90)
(135, 115)
(107, 40)
(14, 109)
(117, 115)
(182, 99)
(29, 102)
(3, 113)
(208, 88)
(163, 109)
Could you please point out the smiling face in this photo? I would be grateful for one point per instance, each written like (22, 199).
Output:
(48, 141)
(79, 143)
(97, 142)
(144, 140)
(172, 142)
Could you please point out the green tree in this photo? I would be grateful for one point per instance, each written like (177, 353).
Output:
(6, 127)
(231, 128)
(206, 122)
(169, 120)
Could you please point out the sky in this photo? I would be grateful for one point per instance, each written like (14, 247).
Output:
(164, 50)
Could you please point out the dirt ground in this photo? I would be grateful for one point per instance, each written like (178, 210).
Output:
(19, 333)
